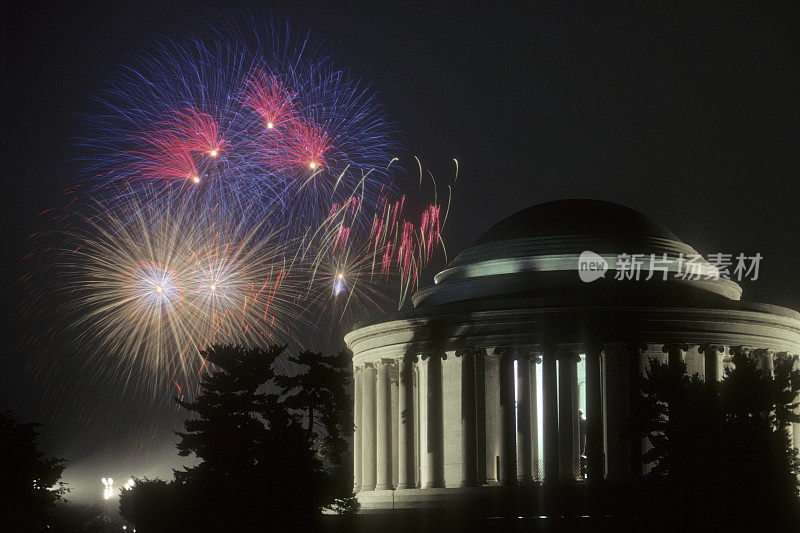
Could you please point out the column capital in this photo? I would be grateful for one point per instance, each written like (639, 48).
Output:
(467, 351)
(710, 349)
(386, 361)
(670, 346)
(369, 365)
(761, 352)
(503, 351)
(528, 353)
(736, 350)
(411, 358)
(440, 354)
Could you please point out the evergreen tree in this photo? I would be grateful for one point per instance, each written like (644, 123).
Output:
(319, 395)
(722, 452)
(30, 481)
(151, 506)
(257, 468)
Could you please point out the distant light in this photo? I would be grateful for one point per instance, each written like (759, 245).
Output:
(159, 290)
(213, 153)
(196, 179)
(213, 287)
(341, 276)
(313, 165)
(131, 481)
(270, 125)
(108, 490)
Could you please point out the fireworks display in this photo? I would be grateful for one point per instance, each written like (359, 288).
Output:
(231, 189)
(240, 125)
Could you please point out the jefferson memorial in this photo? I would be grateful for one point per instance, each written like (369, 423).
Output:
(516, 372)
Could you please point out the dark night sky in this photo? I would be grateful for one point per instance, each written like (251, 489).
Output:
(689, 116)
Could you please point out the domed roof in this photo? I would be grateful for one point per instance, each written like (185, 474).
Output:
(539, 251)
(576, 217)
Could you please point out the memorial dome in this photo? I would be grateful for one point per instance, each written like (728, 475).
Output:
(538, 251)
(472, 398)
(577, 217)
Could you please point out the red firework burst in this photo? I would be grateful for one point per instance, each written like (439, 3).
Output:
(306, 145)
(269, 98)
(182, 142)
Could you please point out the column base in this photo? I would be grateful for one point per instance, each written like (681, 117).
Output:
(403, 486)
(383, 487)
(433, 486)
(367, 489)
(465, 484)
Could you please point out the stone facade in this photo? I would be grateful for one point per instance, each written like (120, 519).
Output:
(476, 387)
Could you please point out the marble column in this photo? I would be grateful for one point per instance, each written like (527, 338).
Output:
(384, 427)
(568, 418)
(368, 445)
(550, 414)
(358, 375)
(594, 416)
(796, 425)
(616, 411)
(711, 362)
(434, 474)
(405, 447)
(764, 361)
(676, 353)
(524, 393)
(782, 358)
(508, 430)
(480, 407)
(535, 363)
(637, 442)
(469, 437)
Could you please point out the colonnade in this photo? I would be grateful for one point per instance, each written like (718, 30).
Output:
(410, 452)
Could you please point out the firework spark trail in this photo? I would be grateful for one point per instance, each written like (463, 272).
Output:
(243, 123)
(352, 270)
(267, 96)
(232, 190)
(143, 291)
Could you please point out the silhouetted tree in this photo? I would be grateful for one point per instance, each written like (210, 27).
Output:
(272, 448)
(29, 482)
(151, 505)
(319, 393)
(258, 468)
(722, 452)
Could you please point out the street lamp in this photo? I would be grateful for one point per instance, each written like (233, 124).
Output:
(108, 490)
